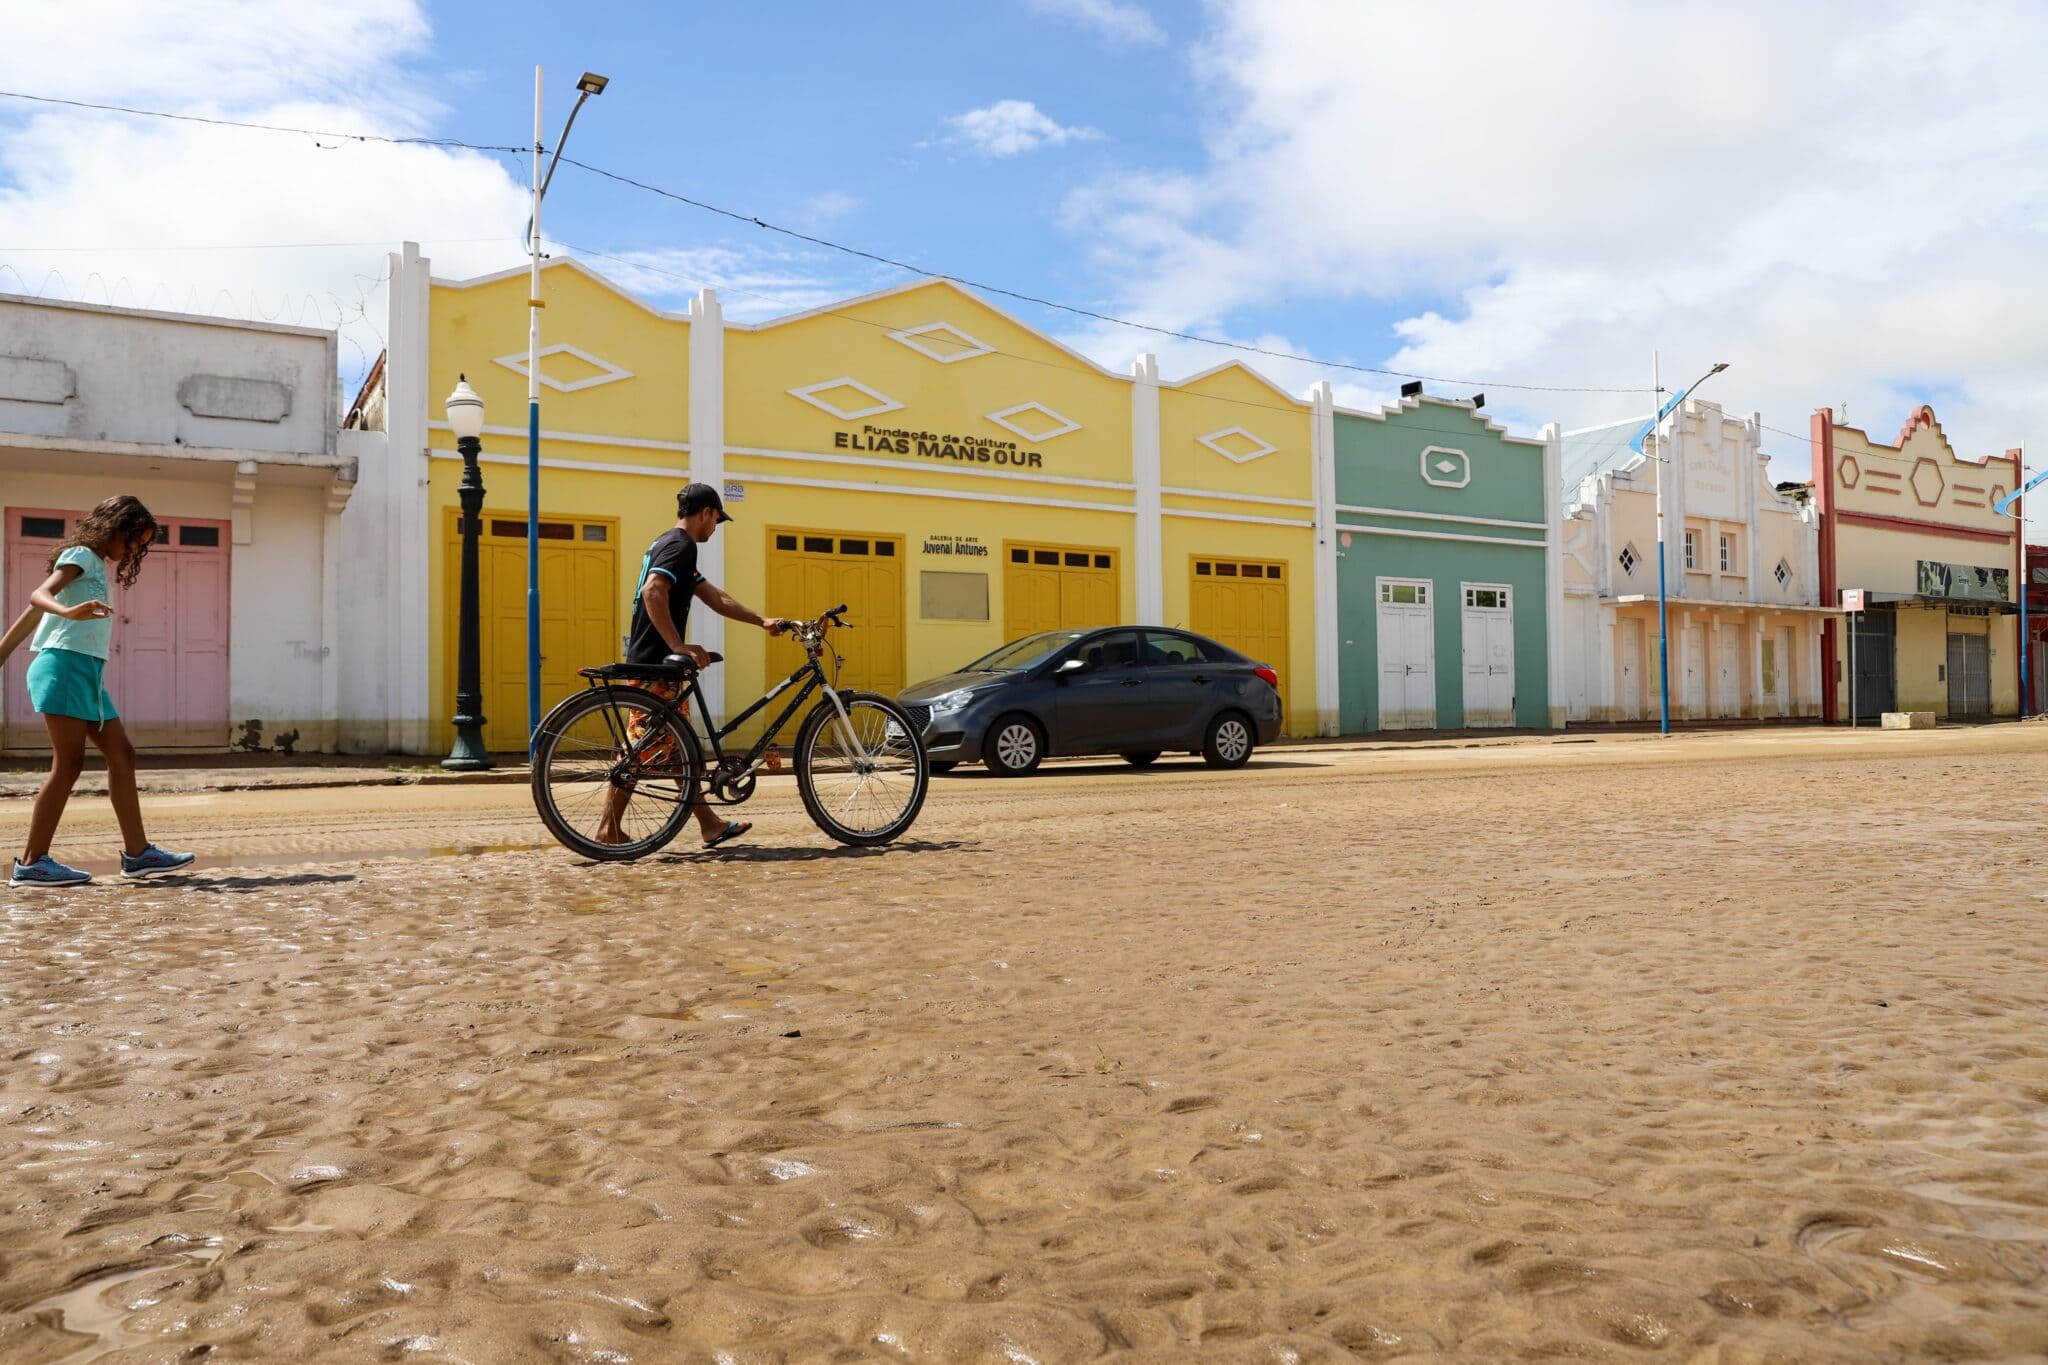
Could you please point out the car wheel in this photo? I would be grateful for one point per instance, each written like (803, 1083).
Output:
(1144, 758)
(1014, 746)
(941, 766)
(1229, 744)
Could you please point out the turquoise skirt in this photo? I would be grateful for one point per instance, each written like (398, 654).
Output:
(63, 682)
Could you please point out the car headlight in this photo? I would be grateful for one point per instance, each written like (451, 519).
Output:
(951, 702)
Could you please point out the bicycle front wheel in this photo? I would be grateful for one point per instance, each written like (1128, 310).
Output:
(863, 779)
(614, 773)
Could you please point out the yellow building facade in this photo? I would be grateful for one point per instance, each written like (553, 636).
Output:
(956, 477)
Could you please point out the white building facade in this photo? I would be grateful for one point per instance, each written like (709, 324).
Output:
(257, 622)
(1742, 575)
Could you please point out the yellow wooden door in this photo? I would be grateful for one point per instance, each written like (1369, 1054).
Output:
(579, 614)
(1243, 603)
(1058, 587)
(811, 571)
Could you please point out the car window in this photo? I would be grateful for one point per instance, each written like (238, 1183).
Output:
(1222, 654)
(1119, 649)
(1025, 652)
(1163, 651)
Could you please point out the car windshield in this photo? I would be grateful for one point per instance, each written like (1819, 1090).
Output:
(1025, 652)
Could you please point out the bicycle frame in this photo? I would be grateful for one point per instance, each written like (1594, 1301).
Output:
(813, 676)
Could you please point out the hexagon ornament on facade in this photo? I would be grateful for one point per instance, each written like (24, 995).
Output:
(1926, 481)
(1850, 471)
(1443, 467)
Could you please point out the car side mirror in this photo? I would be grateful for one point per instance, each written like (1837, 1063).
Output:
(1070, 667)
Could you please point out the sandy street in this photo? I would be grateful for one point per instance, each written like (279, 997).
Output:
(1728, 1047)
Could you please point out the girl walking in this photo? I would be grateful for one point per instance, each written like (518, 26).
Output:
(65, 684)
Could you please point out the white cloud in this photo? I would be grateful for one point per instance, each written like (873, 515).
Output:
(1009, 127)
(141, 208)
(1844, 214)
(1123, 22)
(752, 284)
(829, 207)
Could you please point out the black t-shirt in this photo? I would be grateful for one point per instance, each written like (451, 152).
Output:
(674, 556)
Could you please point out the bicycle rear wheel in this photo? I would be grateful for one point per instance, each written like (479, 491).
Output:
(603, 792)
(867, 795)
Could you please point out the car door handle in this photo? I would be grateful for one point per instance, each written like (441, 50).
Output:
(1201, 679)
(1132, 682)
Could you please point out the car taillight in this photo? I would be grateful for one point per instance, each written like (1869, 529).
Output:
(1272, 678)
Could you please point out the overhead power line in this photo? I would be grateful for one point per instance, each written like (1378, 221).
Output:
(1078, 311)
(827, 243)
(259, 127)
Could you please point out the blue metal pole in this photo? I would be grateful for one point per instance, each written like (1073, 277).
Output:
(1663, 635)
(532, 573)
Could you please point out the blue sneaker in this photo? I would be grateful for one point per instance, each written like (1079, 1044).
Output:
(153, 860)
(47, 871)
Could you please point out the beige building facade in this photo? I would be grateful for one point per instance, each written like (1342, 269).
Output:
(1911, 525)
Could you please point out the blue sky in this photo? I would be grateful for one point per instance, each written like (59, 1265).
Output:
(1849, 204)
(810, 116)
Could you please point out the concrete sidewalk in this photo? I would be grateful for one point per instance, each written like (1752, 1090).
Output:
(161, 774)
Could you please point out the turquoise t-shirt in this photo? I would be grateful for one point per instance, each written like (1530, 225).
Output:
(93, 636)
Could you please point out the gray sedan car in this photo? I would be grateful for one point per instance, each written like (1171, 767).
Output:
(1138, 692)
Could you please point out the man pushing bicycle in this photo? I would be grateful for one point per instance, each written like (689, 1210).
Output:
(661, 609)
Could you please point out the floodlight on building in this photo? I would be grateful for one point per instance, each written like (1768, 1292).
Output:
(1412, 389)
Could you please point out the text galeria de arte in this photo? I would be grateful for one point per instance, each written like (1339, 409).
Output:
(935, 446)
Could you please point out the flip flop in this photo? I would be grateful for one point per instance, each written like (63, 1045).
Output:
(733, 830)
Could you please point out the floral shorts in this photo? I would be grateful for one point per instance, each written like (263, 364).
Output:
(661, 755)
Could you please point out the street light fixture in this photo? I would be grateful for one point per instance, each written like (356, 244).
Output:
(591, 84)
(1663, 611)
(466, 420)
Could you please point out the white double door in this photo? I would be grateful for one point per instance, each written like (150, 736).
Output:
(1407, 655)
(1489, 640)
(1713, 670)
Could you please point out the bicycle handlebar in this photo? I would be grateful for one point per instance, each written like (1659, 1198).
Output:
(812, 633)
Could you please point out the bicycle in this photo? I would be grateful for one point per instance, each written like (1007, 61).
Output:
(616, 768)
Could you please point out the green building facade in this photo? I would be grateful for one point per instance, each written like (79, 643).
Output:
(1446, 570)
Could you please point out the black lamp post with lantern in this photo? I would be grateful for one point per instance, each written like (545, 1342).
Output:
(466, 418)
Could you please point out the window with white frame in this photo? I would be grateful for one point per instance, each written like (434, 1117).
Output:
(1486, 597)
(1407, 594)
(1727, 554)
(1692, 549)
(1630, 557)
(1783, 573)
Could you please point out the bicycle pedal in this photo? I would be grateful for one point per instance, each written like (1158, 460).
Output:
(772, 761)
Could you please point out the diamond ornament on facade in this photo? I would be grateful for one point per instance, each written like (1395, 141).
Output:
(845, 398)
(942, 341)
(1237, 445)
(1443, 467)
(1034, 421)
(560, 380)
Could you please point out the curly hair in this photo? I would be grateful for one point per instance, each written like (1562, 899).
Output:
(122, 519)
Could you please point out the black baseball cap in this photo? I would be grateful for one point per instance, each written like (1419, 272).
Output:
(698, 496)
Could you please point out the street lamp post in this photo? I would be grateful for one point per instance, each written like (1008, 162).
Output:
(591, 84)
(1663, 608)
(466, 419)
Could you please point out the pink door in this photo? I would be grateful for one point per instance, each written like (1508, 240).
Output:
(168, 673)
